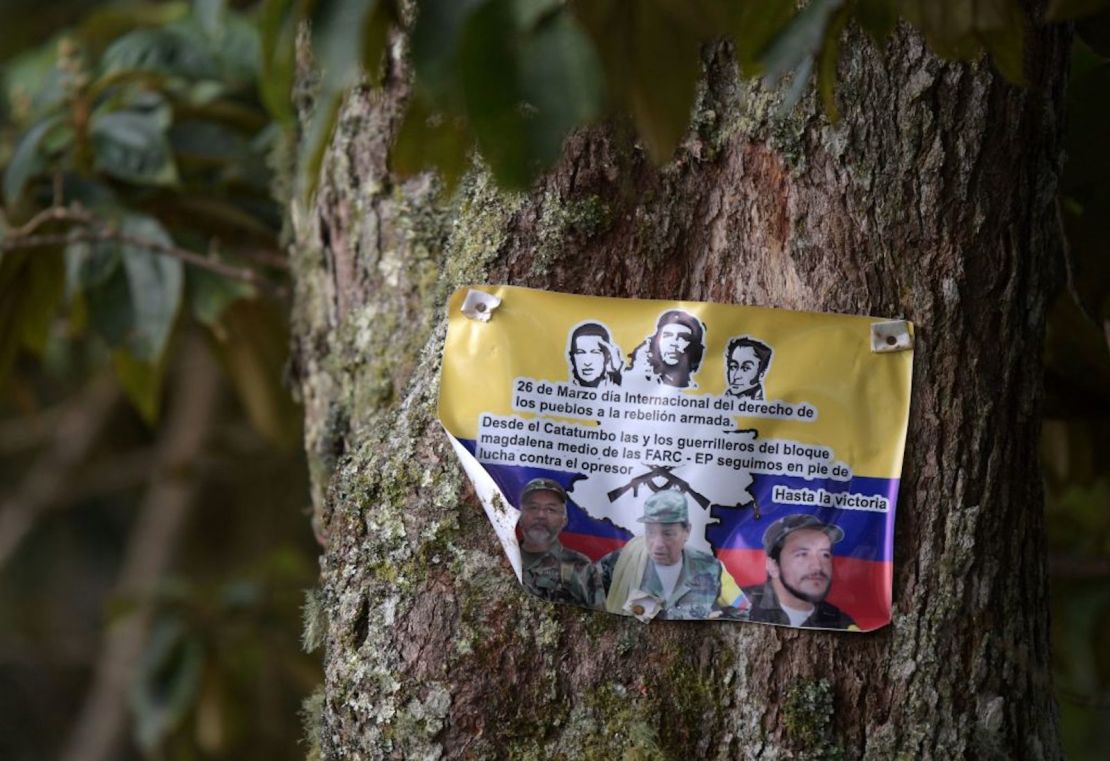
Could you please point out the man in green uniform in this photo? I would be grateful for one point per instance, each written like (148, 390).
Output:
(550, 570)
(799, 574)
(656, 575)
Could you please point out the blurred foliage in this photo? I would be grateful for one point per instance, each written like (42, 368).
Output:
(1076, 439)
(137, 191)
(139, 210)
(141, 204)
(514, 77)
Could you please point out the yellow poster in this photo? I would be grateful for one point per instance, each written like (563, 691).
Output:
(680, 459)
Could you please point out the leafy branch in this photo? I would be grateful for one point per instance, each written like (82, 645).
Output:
(91, 229)
(142, 157)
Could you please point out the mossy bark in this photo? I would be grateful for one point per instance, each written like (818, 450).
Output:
(931, 199)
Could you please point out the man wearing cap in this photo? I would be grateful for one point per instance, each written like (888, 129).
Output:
(799, 573)
(550, 570)
(656, 575)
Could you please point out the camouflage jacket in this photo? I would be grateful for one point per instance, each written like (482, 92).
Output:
(562, 575)
(695, 594)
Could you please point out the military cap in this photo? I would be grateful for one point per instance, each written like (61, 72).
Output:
(542, 484)
(777, 532)
(667, 506)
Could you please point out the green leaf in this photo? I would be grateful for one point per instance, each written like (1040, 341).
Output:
(31, 288)
(827, 64)
(493, 94)
(167, 682)
(34, 76)
(210, 16)
(155, 282)
(657, 90)
(1007, 49)
(428, 140)
(946, 24)
(141, 381)
(92, 193)
(803, 38)
(877, 17)
(530, 13)
(278, 28)
(151, 105)
(27, 160)
(314, 143)
(89, 263)
(238, 51)
(134, 307)
(131, 146)
(171, 51)
(959, 30)
(43, 284)
(111, 21)
(753, 24)
(562, 79)
(339, 29)
(375, 38)
(210, 294)
(109, 308)
(527, 75)
(1063, 10)
(436, 39)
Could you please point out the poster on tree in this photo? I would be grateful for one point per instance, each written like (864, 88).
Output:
(683, 460)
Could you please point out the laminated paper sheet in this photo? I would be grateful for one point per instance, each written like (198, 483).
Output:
(683, 460)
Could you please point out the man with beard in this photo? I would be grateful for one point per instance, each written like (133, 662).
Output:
(550, 570)
(799, 573)
(673, 353)
(746, 362)
(594, 361)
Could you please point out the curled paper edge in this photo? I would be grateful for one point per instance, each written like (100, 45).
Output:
(500, 514)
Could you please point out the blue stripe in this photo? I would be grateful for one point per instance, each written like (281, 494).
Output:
(511, 479)
(868, 535)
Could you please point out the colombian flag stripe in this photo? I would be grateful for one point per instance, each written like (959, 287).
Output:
(868, 534)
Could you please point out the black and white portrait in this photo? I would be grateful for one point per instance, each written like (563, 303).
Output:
(672, 354)
(595, 361)
(746, 364)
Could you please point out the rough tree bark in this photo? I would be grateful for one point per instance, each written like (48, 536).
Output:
(932, 199)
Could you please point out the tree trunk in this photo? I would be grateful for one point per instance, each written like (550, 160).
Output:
(932, 199)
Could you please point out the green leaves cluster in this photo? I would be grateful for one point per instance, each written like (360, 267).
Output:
(143, 145)
(513, 78)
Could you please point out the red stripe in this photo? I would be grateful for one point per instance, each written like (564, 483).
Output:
(593, 547)
(860, 588)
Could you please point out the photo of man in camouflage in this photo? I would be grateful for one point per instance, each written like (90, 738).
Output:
(799, 574)
(550, 570)
(656, 575)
